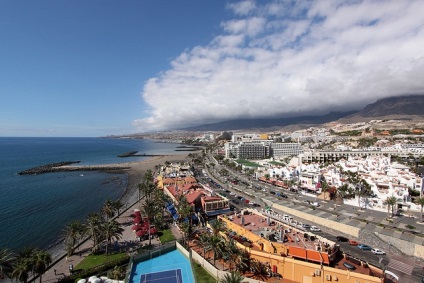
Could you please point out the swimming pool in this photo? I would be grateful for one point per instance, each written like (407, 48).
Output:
(174, 260)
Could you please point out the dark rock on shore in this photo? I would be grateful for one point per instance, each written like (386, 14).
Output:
(64, 167)
(46, 168)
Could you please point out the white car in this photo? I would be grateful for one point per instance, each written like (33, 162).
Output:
(315, 229)
(377, 251)
(264, 190)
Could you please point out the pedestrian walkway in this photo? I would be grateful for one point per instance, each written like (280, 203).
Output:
(61, 268)
(400, 266)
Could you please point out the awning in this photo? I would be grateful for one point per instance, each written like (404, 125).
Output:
(217, 212)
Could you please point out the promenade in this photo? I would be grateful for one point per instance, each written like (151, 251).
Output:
(61, 267)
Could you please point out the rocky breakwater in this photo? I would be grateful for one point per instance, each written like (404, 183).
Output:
(67, 166)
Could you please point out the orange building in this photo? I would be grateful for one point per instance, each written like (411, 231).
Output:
(311, 261)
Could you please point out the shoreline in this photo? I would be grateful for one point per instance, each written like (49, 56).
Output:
(134, 172)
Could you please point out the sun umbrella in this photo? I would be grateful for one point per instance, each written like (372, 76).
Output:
(92, 278)
(97, 280)
(137, 220)
(136, 227)
(140, 233)
(81, 281)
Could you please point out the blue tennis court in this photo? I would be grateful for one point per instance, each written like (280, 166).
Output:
(172, 267)
(171, 276)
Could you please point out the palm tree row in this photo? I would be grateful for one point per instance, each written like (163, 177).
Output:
(239, 259)
(21, 266)
(154, 201)
(97, 227)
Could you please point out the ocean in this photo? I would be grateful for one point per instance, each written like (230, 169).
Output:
(34, 209)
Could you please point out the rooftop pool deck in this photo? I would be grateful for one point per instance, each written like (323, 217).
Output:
(165, 263)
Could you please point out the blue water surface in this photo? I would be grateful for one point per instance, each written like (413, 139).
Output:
(34, 209)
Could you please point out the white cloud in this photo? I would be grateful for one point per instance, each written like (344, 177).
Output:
(284, 58)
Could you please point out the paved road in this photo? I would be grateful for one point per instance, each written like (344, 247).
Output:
(408, 269)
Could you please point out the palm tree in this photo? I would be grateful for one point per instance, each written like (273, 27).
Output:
(40, 260)
(117, 205)
(108, 209)
(232, 251)
(21, 269)
(390, 202)
(185, 212)
(112, 231)
(260, 271)
(217, 226)
(72, 234)
(6, 262)
(233, 277)
(242, 261)
(150, 209)
(93, 226)
(147, 186)
(420, 202)
(205, 242)
(215, 242)
(362, 190)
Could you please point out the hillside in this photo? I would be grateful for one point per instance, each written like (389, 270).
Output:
(399, 111)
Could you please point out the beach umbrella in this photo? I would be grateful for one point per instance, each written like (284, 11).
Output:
(92, 278)
(81, 281)
(141, 233)
(153, 230)
(137, 220)
(136, 227)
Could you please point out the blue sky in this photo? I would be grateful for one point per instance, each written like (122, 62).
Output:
(96, 68)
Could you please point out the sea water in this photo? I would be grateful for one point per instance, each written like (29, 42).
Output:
(34, 209)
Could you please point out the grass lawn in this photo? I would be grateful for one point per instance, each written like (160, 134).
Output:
(201, 274)
(276, 163)
(247, 163)
(166, 236)
(96, 260)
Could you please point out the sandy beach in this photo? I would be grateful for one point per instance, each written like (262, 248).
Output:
(135, 172)
(138, 168)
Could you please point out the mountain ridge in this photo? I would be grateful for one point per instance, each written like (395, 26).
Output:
(405, 107)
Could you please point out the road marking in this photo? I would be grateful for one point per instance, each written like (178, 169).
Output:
(400, 266)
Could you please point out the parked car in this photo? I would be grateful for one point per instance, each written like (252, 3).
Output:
(315, 229)
(306, 226)
(272, 192)
(283, 196)
(353, 243)
(349, 266)
(377, 251)
(364, 247)
(342, 239)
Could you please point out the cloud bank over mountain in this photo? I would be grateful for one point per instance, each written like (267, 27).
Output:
(290, 58)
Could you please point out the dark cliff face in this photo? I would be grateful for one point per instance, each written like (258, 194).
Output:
(399, 105)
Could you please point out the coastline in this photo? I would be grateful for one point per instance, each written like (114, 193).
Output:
(134, 172)
(138, 168)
